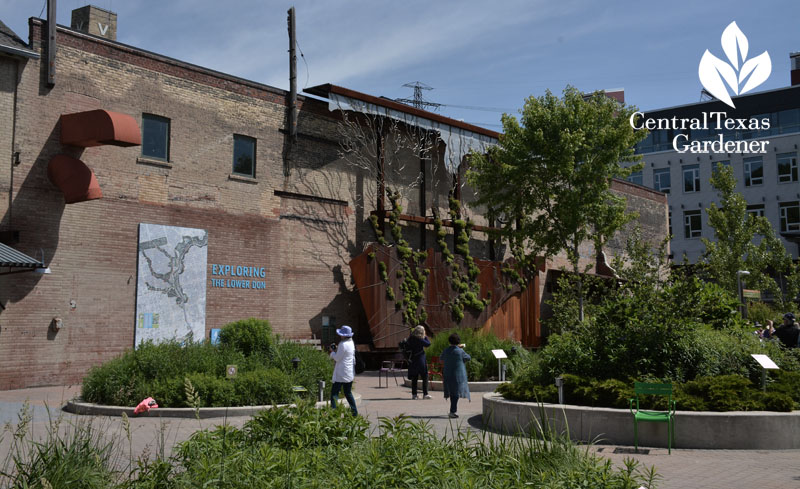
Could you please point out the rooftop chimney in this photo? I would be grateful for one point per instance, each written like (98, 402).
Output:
(95, 21)
(795, 60)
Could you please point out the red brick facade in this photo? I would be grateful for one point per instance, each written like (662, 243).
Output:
(91, 247)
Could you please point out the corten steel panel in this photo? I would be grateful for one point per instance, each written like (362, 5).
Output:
(511, 314)
(99, 127)
(74, 179)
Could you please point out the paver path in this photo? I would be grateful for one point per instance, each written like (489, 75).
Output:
(684, 469)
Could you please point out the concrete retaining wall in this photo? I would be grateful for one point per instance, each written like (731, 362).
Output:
(756, 430)
(77, 406)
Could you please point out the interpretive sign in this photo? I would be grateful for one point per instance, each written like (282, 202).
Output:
(171, 283)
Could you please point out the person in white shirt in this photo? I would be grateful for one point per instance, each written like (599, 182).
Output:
(345, 370)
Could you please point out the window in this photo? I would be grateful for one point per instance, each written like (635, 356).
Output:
(155, 137)
(715, 165)
(790, 216)
(787, 167)
(661, 180)
(691, 178)
(753, 171)
(756, 210)
(692, 225)
(244, 156)
(636, 177)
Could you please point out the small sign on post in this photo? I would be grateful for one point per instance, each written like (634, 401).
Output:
(751, 294)
(500, 355)
(230, 371)
(766, 364)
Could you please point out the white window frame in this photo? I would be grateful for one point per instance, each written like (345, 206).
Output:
(787, 226)
(749, 180)
(695, 169)
(657, 174)
(688, 232)
(792, 176)
(756, 210)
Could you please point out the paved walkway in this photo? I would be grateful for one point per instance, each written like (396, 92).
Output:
(684, 469)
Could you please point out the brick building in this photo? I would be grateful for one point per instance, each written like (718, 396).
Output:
(134, 139)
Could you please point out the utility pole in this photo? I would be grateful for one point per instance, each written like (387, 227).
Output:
(292, 77)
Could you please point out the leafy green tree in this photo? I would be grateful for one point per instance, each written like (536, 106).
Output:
(744, 241)
(550, 174)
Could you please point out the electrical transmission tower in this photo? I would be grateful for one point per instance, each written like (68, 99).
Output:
(418, 102)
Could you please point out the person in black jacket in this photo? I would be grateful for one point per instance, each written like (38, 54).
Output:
(417, 363)
(789, 332)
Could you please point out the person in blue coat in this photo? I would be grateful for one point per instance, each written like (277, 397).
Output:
(454, 372)
(417, 363)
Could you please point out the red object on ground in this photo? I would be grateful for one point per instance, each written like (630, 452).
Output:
(146, 405)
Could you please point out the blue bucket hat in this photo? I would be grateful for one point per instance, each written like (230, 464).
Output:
(788, 315)
(345, 331)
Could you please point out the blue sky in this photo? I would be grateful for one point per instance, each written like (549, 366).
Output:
(477, 54)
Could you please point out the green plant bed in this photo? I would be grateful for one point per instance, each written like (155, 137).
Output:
(479, 345)
(304, 447)
(194, 375)
(721, 393)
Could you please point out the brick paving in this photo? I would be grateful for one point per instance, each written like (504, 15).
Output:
(683, 469)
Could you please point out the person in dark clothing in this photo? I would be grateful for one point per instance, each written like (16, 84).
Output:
(454, 374)
(789, 332)
(417, 363)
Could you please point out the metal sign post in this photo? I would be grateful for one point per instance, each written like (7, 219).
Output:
(766, 364)
(500, 355)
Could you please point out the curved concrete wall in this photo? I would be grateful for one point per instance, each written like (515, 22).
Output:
(752, 430)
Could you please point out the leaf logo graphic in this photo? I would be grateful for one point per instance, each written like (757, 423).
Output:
(715, 73)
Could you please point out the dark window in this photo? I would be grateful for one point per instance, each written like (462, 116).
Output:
(753, 171)
(756, 210)
(790, 216)
(661, 180)
(155, 137)
(244, 155)
(715, 166)
(691, 178)
(692, 224)
(787, 167)
(636, 177)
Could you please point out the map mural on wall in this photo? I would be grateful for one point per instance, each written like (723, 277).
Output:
(171, 283)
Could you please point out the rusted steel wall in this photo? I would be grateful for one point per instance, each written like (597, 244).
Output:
(512, 313)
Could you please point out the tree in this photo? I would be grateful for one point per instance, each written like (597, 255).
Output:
(745, 241)
(550, 175)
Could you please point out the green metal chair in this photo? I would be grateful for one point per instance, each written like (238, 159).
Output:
(668, 416)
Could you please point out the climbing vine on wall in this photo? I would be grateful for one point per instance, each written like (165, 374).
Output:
(465, 285)
(412, 271)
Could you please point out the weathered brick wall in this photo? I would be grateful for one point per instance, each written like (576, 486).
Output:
(8, 73)
(91, 247)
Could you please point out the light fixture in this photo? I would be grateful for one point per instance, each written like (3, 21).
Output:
(42, 271)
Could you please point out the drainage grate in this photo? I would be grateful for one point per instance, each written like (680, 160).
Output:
(632, 451)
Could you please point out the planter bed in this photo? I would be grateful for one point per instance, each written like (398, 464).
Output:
(745, 430)
(77, 406)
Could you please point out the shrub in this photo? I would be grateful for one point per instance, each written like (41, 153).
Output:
(479, 345)
(115, 382)
(159, 371)
(249, 336)
(306, 427)
(260, 387)
(314, 366)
